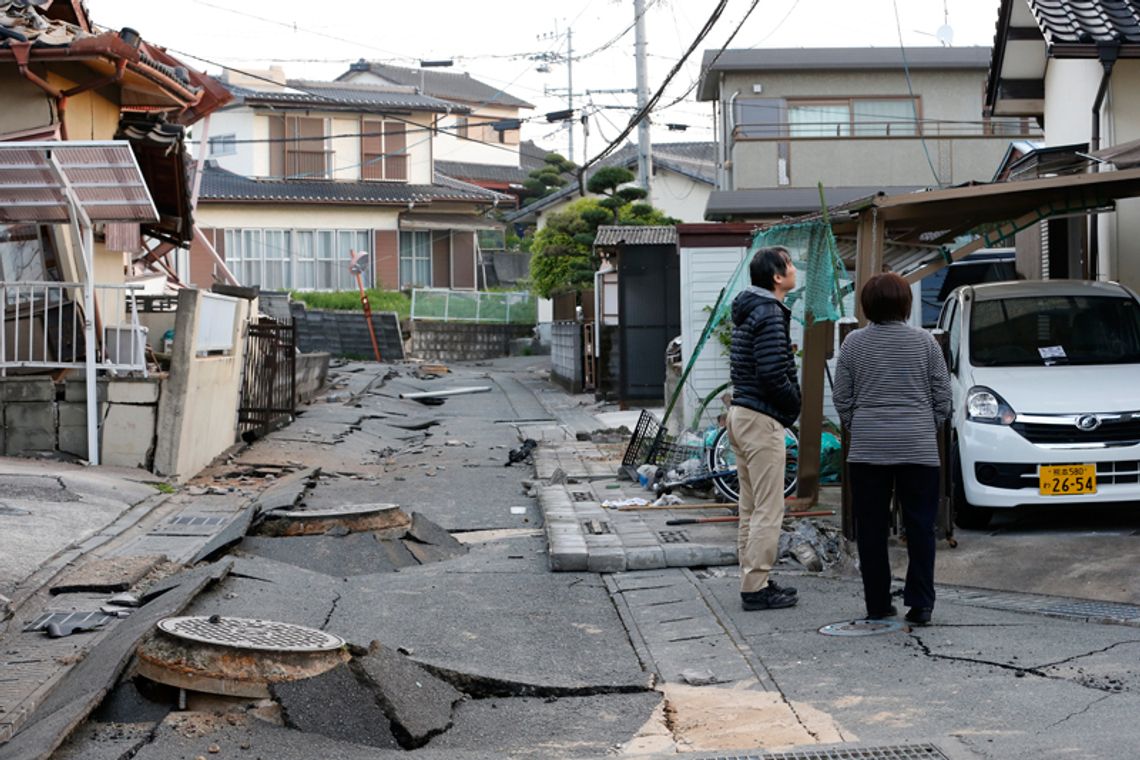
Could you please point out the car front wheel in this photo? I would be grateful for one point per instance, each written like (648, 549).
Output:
(966, 515)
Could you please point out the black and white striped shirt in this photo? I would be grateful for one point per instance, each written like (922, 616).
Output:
(891, 391)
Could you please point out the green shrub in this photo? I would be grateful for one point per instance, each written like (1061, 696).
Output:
(349, 300)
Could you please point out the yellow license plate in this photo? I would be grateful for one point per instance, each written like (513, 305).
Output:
(1067, 479)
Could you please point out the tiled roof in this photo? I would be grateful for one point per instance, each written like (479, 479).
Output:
(1082, 22)
(611, 235)
(695, 160)
(221, 185)
(341, 96)
(441, 84)
(483, 172)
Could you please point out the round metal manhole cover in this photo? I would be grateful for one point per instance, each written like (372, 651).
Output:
(861, 628)
(349, 510)
(249, 633)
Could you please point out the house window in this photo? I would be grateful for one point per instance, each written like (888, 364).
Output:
(415, 259)
(853, 117)
(297, 259)
(384, 150)
(223, 145)
(298, 148)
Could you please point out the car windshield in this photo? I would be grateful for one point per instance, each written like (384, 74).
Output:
(1046, 330)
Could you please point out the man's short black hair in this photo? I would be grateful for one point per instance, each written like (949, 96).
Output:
(766, 264)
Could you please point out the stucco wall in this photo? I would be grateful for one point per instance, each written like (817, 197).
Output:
(1070, 88)
(197, 415)
(248, 159)
(449, 147)
(679, 196)
(25, 105)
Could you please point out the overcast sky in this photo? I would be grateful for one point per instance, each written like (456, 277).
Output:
(495, 41)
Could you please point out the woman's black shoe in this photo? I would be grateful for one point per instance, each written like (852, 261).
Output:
(919, 615)
(882, 614)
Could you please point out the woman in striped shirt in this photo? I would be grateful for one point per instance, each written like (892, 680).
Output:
(892, 391)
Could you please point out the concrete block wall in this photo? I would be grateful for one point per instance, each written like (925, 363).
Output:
(42, 417)
(463, 341)
(566, 355)
(345, 333)
(312, 371)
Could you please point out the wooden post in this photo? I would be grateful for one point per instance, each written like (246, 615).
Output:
(818, 339)
(847, 517)
(868, 253)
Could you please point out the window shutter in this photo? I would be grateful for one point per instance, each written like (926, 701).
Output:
(395, 147)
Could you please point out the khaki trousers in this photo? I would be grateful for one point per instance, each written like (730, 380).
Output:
(758, 441)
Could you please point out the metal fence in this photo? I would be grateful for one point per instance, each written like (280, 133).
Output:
(43, 327)
(269, 382)
(518, 308)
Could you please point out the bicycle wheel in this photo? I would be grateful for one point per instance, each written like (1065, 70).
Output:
(722, 457)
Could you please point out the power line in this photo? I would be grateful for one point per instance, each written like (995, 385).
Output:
(649, 106)
(910, 89)
(613, 40)
(705, 69)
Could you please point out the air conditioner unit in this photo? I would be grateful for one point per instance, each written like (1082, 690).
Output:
(126, 345)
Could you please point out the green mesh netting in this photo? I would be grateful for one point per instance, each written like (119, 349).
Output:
(822, 279)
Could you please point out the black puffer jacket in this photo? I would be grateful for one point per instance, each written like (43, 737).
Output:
(763, 366)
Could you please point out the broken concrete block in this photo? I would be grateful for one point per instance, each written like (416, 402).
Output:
(337, 705)
(128, 435)
(354, 554)
(75, 389)
(27, 389)
(418, 704)
(108, 574)
(132, 392)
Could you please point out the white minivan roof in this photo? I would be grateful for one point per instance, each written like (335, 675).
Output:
(1030, 288)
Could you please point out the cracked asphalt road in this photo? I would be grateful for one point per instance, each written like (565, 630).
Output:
(547, 662)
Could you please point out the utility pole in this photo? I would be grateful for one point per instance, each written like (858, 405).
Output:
(644, 149)
(569, 81)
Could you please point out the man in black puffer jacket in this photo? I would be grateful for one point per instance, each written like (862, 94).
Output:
(765, 399)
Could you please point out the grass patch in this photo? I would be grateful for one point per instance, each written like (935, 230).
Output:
(164, 488)
(349, 300)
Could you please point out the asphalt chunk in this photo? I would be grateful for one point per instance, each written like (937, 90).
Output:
(418, 704)
(337, 705)
(336, 556)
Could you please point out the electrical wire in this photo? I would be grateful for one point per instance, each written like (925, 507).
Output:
(715, 58)
(913, 102)
(651, 104)
(613, 40)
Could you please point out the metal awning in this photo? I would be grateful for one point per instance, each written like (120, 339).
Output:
(448, 222)
(103, 177)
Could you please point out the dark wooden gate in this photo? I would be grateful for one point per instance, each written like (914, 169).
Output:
(269, 382)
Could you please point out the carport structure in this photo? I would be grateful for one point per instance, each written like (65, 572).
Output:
(912, 234)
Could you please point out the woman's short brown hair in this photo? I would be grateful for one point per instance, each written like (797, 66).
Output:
(886, 298)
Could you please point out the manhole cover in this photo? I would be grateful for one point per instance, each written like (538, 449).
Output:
(861, 628)
(352, 517)
(249, 633)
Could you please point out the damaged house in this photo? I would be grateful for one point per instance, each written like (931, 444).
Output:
(96, 211)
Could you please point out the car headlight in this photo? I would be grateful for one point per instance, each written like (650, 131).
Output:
(983, 405)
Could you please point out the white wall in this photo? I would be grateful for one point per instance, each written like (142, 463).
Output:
(449, 147)
(297, 216)
(1070, 88)
(241, 123)
(679, 196)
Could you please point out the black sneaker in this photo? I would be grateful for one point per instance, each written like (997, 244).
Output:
(882, 614)
(767, 598)
(919, 615)
(783, 589)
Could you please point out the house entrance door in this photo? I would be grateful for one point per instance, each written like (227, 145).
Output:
(649, 309)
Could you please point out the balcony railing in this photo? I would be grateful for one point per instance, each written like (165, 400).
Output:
(43, 327)
(895, 129)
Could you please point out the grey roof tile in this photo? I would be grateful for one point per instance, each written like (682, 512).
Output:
(484, 172)
(1082, 22)
(221, 185)
(442, 84)
(342, 96)
(611, 235)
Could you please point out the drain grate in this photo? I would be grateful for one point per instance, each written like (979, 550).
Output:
(1095, 609)
(189, 525)
(581, 496)
(886, 752)
(1074, 609)
(861, 628)
(673, 536)
(67, 620)
(248, 633)
(597, 527)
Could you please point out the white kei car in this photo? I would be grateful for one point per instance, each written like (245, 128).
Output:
(1046, 378)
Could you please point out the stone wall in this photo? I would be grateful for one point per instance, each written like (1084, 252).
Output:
(463, 341)
(566, 355)
(345, 333)
(43, 417)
